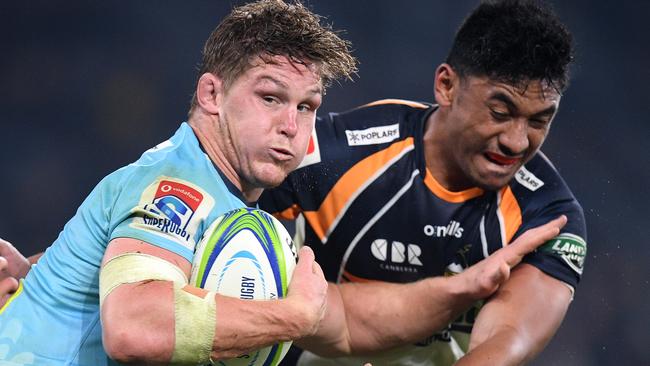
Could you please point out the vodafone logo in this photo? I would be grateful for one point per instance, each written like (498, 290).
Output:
(399, 253)
(165, 188)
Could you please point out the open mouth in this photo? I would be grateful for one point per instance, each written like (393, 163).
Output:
(501, 160)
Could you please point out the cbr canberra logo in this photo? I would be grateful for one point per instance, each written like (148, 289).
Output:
(399, 253)
(373, 135)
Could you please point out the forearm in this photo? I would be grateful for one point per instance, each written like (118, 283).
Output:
(367, 317)
(243, 325)
(519, 320)
(506, 348)
(134, 336)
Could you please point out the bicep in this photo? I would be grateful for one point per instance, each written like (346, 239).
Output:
(530, 305)
(123, 318)
(122, 289)
(120, 246)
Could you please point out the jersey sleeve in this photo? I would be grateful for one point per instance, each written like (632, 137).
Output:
(160, 209)
(562, 257)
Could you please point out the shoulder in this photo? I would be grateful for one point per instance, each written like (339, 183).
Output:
(175, 172)
(538, 182)
(542, 195)
(368, 128)
(341, 140)
(379, 112)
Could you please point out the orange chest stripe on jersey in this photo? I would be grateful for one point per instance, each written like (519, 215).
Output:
(350, 185)
(447, 195)
(348, 277)
(510, 214)
(290, 213)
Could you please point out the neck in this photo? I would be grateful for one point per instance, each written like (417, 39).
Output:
(207, 132)
(438, 156)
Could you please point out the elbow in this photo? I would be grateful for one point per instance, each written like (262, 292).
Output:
(131, 335)
(119, 346)
(133, 345)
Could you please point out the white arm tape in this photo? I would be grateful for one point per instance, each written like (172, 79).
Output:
(136, 267)
(195, 327)
(194, 317)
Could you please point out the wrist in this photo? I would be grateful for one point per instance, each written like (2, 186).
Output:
(299, 322)
(458, 289)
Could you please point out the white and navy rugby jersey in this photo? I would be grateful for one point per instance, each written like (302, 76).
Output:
(372, 211)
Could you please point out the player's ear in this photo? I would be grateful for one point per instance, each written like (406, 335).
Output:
(209, 91)
(445, 84)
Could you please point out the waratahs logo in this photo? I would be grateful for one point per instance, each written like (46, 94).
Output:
(172, 207)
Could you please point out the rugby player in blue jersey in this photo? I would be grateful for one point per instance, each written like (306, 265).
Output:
(113, 286)
(369, 317)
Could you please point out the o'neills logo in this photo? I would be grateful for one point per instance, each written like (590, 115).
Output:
(571, 248)
(452, 229)
(373, 135)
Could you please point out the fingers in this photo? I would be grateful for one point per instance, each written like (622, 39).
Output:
(531, 239)
(4, 266)
(8, 285)
(306, 254)
(5, 246)
(317, 270)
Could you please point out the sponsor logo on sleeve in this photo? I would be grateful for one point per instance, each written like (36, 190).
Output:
(172, 207)
(313, 151)
(528, 179)
(571, 248)
(373, 135)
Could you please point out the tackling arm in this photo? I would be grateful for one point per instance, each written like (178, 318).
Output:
(367, 317)
(517, 323)
(131, 334)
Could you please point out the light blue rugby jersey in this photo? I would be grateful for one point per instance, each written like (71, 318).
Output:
(167, 198)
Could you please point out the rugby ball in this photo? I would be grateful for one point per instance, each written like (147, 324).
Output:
(246, 253)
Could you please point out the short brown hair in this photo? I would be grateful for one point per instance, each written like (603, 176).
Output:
(273, 27)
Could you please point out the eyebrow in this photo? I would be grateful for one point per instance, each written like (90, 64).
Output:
(282, 84)
(513, 107)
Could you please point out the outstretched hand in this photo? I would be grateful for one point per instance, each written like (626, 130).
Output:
(484, 278)
(13, 267)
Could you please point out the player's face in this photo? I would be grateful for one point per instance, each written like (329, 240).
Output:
(496, 128)
(267, 116)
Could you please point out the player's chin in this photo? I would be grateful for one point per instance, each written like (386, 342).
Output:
(494, 182)
(272, 176)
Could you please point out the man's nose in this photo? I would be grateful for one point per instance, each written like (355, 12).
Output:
(514, 140)
(289, 121)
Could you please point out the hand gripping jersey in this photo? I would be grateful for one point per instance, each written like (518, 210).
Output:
(371, 210)
(167, 198)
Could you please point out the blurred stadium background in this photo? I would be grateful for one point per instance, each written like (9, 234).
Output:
(85, 87)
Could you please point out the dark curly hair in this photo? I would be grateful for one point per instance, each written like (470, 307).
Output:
(272, 27)
(514, 41)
